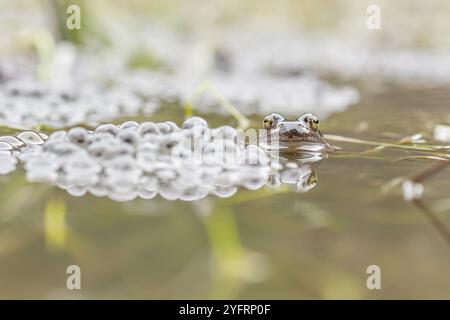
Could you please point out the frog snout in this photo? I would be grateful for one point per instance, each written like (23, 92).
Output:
(288, 131)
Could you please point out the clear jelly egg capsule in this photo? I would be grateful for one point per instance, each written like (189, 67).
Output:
(129, 125)
(16, 143)
(253, 179)
(62, 181)
(79, 136)
(197, 134)
(168, 191)
(182, 155)
(221, 151)
(167, 144)
(36, 175)
(148, 128)
(82, 165)
(5, 146)
(148, 146)
(98, 189)
(224, 132)
(29, 153)
(146, 160)
(146, 194)
(191, 194)
(77, 191)
(173, 126)
(30, 138)
(107, 128)
(194, 122)
(128, 136)
(120, 183)
(125, 167)
(164, 128)
(206, 178)
(203, 191)
(60, 135)
(224, 179)
(119, 150)
(82, 178)
(187, 177)
(5, 155)
(148, 182)
(62, 149)
(123, 197)
(99, 149)
(7, 164)
(43, 163)
(225, 191)
(102, 137)
(165, 175)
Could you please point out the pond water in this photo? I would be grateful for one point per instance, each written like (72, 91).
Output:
(269, 243)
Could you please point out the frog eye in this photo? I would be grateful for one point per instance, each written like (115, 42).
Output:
(267, 122)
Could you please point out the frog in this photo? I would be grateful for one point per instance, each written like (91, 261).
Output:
(301, 133)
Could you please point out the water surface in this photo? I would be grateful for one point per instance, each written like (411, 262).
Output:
(269, 243)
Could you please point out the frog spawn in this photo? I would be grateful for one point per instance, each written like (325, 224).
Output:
(140, 160)
(27, 102)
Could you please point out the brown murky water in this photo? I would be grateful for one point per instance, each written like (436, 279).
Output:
(270, 243)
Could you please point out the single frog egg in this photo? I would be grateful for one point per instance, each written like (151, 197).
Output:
(79, 136)
(146, 128)
(5, 146)
(77, 191)
(81, 164)
(224, 132)
(164, 128)
(146, 194)
(58, 136)
(194, 122)
(173, 126)
(129, 125)
(107, 128)
(123, 197)
(168, 191)
(13, 141)
(225, 191)
(30, 138)
(128, 136)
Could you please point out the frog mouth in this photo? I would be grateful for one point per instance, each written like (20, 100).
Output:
(294, 132)
(294, 135)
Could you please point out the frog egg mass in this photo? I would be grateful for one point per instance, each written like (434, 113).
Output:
(133, 160)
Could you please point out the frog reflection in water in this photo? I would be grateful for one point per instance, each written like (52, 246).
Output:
(299, 174)
(302, 134)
